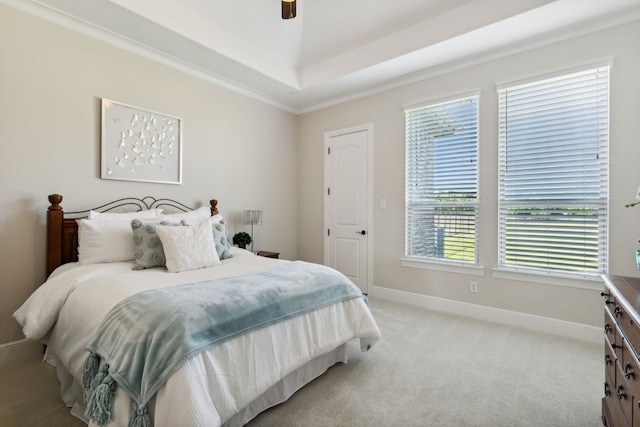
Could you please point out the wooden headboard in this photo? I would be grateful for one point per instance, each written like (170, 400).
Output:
(62, 228)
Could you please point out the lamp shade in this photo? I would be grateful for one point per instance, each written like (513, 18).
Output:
(252, 217)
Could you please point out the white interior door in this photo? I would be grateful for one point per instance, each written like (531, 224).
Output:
(347, 214)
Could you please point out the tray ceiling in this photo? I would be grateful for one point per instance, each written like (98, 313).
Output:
(334, 49)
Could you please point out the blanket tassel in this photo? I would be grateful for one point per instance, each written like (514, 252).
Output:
(100, 401)
(97, 380)
(90, 370)
(139, 416)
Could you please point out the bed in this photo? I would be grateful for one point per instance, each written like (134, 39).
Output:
(224, 380)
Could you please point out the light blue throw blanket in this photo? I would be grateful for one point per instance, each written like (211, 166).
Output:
(146, 337)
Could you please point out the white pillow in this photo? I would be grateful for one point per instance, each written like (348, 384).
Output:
(190, 218)
(125, 216)
(188, 248)
(104, 241)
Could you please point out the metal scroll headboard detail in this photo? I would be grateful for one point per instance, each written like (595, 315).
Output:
(145, 203)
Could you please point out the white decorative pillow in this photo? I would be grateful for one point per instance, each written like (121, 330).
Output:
(125, 216)
(190, 218)
(104, 241)
(188, 248)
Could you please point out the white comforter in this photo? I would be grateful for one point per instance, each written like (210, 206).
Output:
(209, 388)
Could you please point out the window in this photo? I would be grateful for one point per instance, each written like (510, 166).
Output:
(553, 174)
(441, 192)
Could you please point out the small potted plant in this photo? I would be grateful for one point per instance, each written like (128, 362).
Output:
(241, 239)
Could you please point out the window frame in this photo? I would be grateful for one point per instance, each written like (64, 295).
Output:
(441, 263)
(551, 275)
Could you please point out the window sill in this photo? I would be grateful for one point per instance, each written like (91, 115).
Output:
(450, 267)
(582, 281)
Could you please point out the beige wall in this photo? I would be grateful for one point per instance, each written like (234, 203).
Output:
(236, 149)
(385, 112)
(247, 155)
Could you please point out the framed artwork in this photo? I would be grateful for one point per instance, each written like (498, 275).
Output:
(140, 145)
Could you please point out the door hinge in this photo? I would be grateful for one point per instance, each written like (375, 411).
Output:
(329, 150)
(328, 191)
(328, 232)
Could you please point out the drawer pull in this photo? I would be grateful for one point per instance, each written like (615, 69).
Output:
(607, 301)
(607, 328)
(614, 345)
(628, 371)
(608, 393)
(620, 394)
(604, 294)
(607, 359)
(617, 311)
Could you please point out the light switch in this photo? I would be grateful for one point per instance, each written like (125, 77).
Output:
(383, 203)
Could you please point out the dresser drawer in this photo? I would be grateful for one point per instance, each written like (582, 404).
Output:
(630, 372)
(618, 338)
(610, 360)
(609, 326)
(636, 413)
(609, 298)
(630, 369)
(612, 410)
(629, 329)
(623, 393)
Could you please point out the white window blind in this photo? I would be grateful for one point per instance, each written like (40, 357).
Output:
(441, 189)
(553, 173)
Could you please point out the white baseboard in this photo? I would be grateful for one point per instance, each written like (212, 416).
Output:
(579, 331)
(16, 351)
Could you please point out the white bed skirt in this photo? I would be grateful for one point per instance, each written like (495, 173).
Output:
(73, 394)
(287, 386)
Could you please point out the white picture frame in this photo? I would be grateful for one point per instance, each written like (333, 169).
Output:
(140, 145)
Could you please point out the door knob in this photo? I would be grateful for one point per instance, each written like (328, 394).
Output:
(363, 232)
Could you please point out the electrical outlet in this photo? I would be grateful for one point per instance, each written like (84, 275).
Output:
(473, 287)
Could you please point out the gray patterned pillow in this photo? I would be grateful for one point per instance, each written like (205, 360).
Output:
(148, 249)
(221, 239)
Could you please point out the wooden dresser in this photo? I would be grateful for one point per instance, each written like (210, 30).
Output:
(621, 401)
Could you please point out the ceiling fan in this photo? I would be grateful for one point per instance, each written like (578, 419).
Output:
(288, 9)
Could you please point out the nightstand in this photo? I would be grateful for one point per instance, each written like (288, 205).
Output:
(268, 254)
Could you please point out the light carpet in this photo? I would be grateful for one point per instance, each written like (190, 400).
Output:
(436, 369)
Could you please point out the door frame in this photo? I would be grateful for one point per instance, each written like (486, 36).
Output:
(369, 226)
